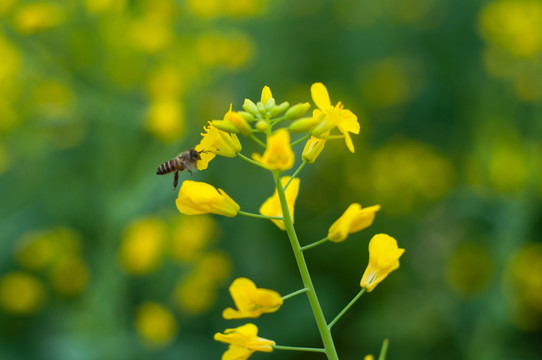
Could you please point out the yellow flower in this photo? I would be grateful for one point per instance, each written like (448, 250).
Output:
(155, 324)
(200, 198)
(271, 206)
(383, 258)
(240, 123)
(313, 148)
(243, 342)
(216, 142)
(279, 154)
(354, 219)
(333, 116)
(251, 301)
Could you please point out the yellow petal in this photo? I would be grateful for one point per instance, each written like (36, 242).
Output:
(251, 301)
(320, 96)
(384, 257)
(200, 198)
(271, 207)
(278, 155)
(354, 219)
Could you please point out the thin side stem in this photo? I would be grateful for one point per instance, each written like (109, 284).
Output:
(295, 173)
(260, 216)
(316, 243)
(298, 348)
(246, 158)
(300, 140)
(325, 332)
(384, 349)
(346, 308)
(286, 297)
(258, 141)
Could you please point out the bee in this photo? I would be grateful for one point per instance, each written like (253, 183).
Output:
(184, 161)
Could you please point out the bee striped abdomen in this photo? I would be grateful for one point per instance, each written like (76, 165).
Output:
(167, 167)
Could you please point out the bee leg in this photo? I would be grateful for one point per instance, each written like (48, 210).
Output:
(175, 180)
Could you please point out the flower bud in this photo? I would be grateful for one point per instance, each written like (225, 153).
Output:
(262, 125)
(225, 125)
(250, 107)
(261, 108)
(270, 104)
(278, 109)
(248, 116)
(303, 125)
(297, 111)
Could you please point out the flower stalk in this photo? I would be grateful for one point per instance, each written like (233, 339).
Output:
(324, 330)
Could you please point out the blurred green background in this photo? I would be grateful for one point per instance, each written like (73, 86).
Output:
(97, 263)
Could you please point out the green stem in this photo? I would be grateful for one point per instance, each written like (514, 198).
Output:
(295, 173)
(298, 348)
(286, 297)
(316, 243)
(300, 140)
(325, 332)
(346, 308)
(246, 158)
(260, 216)
(277, 120)
(258, 141)
(384, 349)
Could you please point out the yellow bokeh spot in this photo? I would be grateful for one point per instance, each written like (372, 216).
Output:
(6, 6)
(191, 235)
(20, 293)
(150, 35)
(165, 119)
(11, 60)
(514, 25)
(525, 272)
(406, 173)
(38, 249)
(196, 293)
(34, 17)
(231, 50)
(103, 6)
(469, 269)
(69, 275)
(205, 8)
(508, 169)
(391, 82)
(155, 324)
(142, 246)
(166, 81)
(244, 8)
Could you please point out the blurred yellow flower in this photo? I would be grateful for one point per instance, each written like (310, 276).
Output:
(39, 249)
(383, 258)
(244, 341)
(525, 276)
(216, 142)
(354, 219)
(197, 198)
(142, 245)
(102, 6)
(69, 275)
(227, 49)
(20, 293)
(515, 26)
(333, 116)
(191, 235)
(369, 357)
(35, 17)
(197, 292)
(251, 301)
(312, 149)
(155, 324)
(150, 34)
(278, 155)
(165, 119)
(271, 206)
